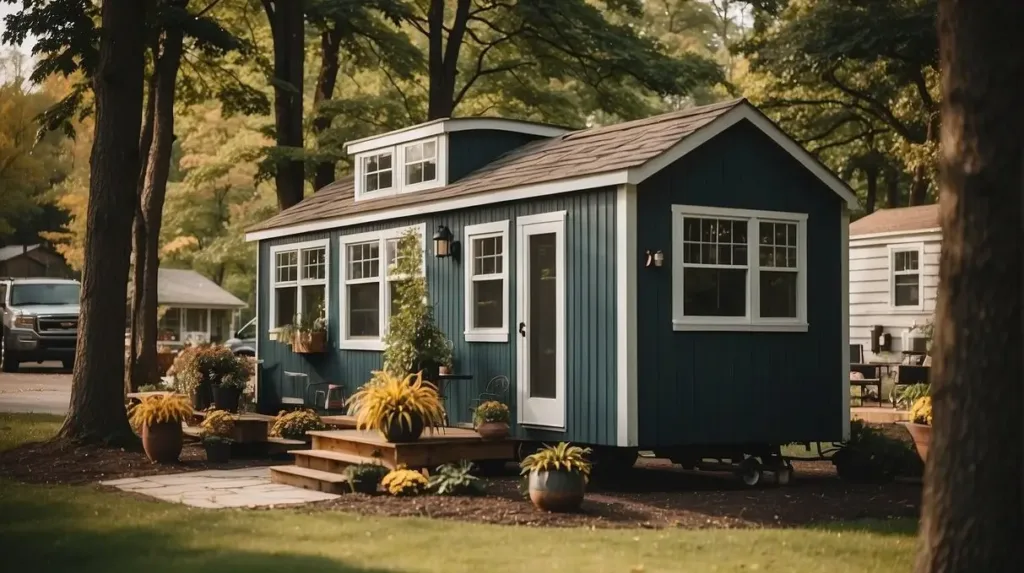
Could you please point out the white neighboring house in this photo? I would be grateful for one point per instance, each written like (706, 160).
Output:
(193, 309)
(894, 273)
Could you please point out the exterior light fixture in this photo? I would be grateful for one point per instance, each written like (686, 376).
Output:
(443, 242)
(656, 259)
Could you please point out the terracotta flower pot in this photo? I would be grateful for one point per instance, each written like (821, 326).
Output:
(226, 398)
(162, 441)
(309, 342)
(557, 490)
(492, 430)
(397, 433)
(922, 436)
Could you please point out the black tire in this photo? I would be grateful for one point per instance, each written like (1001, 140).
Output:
(8, 362)
(750, 472)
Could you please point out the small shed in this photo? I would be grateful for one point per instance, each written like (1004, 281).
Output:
(894, 276)
(194, 309)
(31, 261)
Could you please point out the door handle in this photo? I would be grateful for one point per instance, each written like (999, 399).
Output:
(522, 329)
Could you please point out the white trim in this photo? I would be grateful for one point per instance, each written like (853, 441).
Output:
(257, 371)
(299, 282)
(844, 310)
(752, 320)
(625, 306)
(548, 222)
(440, 166)
(384, 312)
(359, 180)
(906, 248)
(854, 239)
(449, 125)
(485, 230)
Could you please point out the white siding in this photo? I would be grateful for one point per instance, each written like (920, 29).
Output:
(869, 287)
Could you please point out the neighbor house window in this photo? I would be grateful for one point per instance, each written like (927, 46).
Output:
(299, 283)
(420, 162)
(369, 289)
(738, 269)
(905, 279)
(378, 174)
(487, 282)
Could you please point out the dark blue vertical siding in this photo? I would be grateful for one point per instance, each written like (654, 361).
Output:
(471, 150)
(590, 316)
(734, 387)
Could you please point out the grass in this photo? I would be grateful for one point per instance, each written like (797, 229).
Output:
(86, 529)
(20, 428)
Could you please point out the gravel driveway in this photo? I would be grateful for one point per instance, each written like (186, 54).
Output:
(42, 388)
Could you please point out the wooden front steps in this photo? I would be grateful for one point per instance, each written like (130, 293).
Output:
(334, 462)
(307, 478)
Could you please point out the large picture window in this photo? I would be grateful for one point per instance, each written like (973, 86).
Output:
(738, 269)
(367, 287)
(299, 283)
(905, 276)
(487, 282)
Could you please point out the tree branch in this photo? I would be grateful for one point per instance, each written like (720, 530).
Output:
(851, 139)
(877, 108)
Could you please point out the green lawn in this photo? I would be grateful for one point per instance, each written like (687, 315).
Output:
(19, 428)
(85, 529)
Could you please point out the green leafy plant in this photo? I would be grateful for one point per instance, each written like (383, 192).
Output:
(388, 398)
(218, 423)
(160, 408)
(213, 364)
(371, 473)
(563, 457)
(413, 342)
(921, 411)
(491, 411)
(909, 395)
(455, 479)
(207, 440)
(294, 425)
(404, 482)
(873, 456)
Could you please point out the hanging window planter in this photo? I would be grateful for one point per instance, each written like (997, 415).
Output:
(308, 335)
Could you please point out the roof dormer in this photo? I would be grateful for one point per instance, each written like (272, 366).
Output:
(417, 158)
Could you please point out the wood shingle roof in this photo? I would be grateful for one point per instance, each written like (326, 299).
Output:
(901, 219)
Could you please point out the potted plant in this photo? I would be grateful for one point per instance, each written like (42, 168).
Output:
(365, 478)
(212, 375)
(557, 476)
(217, 429)
(920, 425)
(491, 420)
(309, 333)
(159, 419)
(294, 425)
(400, 408)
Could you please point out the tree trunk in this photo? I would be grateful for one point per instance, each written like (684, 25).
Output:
(288, 28)
(973, 506)
(443, 58)
(919, 189)
(330, 42)
(96, 412)
(154, 193)
(871, 174)
(892, 188)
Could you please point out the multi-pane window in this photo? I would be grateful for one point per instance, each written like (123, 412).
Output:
(906, 277)
(300, 283)
(378, 173)
(487, 282)
(421, 162)
(738, 268)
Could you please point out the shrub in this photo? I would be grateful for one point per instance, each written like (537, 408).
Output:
(491, 411)
(294, 425)
(388, 398)
(911, 394)
(160, 408)
(219, 423)
(371, 473)
(455, 479)
(921, 411)
(872, 456)
(210, 364)
(405, 482)
(563, 457)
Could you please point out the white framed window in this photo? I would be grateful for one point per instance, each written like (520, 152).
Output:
(738, 269)
(378, 174)
(299, 282)
(420, 163)
(368, 286)
(486, 268)
(905, 280)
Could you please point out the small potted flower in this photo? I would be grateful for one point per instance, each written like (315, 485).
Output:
(217, 429)
(212, 375)
(400, 408)
(365, 478)
(309, 333)
(557, 476)
(920, 425)
(294, 425)
(158, 418)
(405, 482)
(491, 420)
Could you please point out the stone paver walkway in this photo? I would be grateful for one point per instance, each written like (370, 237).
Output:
(215, 489)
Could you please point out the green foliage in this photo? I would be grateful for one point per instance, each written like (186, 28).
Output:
(491, 411)
(563, 457)
(912, 393)
(455, 479)
(294, 425)
(372, 473)
(413, 341)
(212, 364)
(871, 455)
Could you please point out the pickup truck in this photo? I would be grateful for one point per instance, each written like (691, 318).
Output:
(40, 321)
(243, 343)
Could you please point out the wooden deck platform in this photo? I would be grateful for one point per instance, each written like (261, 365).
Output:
(340, 422)
(879, 415)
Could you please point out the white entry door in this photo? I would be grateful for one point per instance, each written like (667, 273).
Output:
(540, 285)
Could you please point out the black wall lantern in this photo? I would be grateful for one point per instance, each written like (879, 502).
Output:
(443, 242)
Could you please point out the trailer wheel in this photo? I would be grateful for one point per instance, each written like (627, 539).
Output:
(750, 472)
(783, 475)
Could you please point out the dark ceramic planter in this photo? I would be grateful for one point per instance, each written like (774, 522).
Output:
(492, 430)
(557, 491)
(226, 398)
(217, 452)
(162, 441)
(203, 397)
(364, 485)
(922, 436)
(397, 433)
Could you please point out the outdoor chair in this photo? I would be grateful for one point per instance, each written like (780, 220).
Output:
(866, 376)
(856, 353)
(496, 389)
(315, 395)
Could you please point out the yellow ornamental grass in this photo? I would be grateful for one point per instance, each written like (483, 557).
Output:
(388, 398)
(402, 481)
(160, 408)
(563, 457)
(921, 411)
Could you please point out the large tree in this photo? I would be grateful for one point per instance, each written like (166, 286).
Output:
(287, 27)
(973, 511)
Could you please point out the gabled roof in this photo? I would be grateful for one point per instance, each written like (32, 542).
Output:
(897, 220)
(625, 153)
(185, 287)
(12, 251)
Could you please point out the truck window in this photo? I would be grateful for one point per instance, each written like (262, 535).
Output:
(44, 293)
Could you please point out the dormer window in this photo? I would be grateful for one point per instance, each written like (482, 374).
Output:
(378, 174)
(420, 162)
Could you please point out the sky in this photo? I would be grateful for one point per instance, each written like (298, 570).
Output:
(6, 9)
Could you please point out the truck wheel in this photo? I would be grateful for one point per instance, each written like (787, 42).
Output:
(783, 475)
(8, 362)
(750, 472)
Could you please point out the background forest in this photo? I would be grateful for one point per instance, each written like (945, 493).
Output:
(853, 81)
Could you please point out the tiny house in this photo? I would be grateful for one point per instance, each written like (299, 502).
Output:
(894, 277)
(673, 281)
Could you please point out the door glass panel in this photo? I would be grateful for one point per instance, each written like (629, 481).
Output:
(542, 302)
